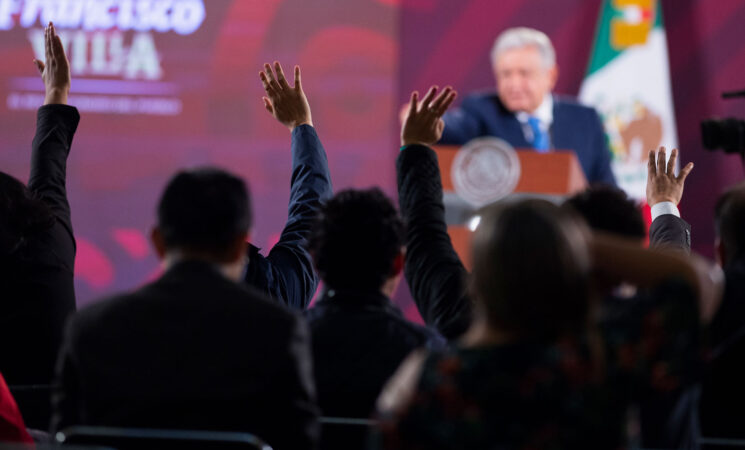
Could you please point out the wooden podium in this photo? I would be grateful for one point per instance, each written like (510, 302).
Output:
(554, 174)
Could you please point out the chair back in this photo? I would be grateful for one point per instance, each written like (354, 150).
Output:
(152, 439)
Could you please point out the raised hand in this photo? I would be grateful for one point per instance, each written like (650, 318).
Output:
(423, 122)
(55, 71)
(662, 184)
(286, 103)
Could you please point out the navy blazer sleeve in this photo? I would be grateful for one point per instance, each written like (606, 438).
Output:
(669, 230)
(435, 274)
(287, 273)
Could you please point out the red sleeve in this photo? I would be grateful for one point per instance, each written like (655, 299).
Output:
(12, 428)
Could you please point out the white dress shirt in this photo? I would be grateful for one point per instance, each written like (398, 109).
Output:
(661, 208)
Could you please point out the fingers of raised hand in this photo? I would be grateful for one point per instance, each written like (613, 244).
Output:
(684, 172)
(298, 86)
(441, 103)
(39, 66)
(661, 161)
(652, 164)
(671, 163)
(428, 97)
(48, 43)
(270, 78)
(413, 102)
(265, 82)
(281, 75)
(268, 105)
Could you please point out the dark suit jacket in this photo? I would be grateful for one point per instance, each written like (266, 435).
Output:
(575, 127)
(671, 232)
(287, 274)
(192, 350)
(37, 280)
(359, 340)
(721, 409)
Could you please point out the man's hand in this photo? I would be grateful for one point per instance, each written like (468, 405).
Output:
(423, 123)
(55, 71)
(662, 184)
(286, 103)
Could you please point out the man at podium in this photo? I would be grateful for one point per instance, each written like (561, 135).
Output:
(525, 113)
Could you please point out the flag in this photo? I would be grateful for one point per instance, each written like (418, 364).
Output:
(628, 82)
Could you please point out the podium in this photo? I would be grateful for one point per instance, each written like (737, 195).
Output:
(554, 175)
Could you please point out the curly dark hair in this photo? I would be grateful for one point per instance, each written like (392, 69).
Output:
(609, 209)
(355, 239)
(22, 214)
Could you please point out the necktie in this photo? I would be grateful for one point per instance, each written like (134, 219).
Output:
(540, 137)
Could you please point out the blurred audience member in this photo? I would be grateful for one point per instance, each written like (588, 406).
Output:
(359, 337)
(195, 349)
(609, 209)
(722, 401)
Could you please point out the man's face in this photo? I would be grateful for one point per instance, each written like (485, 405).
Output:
(522, 79)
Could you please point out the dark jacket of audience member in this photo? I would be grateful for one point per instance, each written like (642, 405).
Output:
(194, 349)
(359, 337)
(37, 254)
(608, 209)
(286, 273)
(722, 396)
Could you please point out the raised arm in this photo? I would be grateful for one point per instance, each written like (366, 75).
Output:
(287, 273)
(435, 274)
(664, 191)
(55, 126)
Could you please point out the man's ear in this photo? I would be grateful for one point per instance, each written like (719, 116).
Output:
(720, 252)
(238, 249)
(156, 237)
(398, 263)
(553, 74)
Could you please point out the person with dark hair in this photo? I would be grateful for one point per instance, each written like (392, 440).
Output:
(525, 369)
(722, 395)
(359, 337)
(608, 209)
(195, 349)
(729, 222)
(37, 246)
(286, 273)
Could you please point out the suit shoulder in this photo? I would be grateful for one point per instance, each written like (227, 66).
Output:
(97, 314)
(483, 96)
(573, 106)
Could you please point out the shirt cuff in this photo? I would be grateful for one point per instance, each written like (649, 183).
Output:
(662, 208)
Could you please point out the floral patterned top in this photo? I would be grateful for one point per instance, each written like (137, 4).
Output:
(529, 395)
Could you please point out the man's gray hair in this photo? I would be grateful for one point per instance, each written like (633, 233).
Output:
(524, 37)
